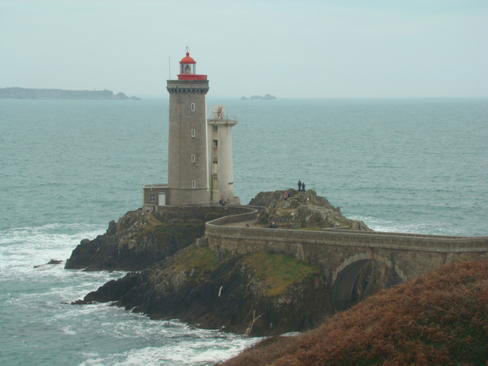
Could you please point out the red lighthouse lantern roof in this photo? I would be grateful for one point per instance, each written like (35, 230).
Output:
(187, 59)
(188, 67)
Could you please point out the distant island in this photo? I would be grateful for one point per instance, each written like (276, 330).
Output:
(27, 93)
(259, 97)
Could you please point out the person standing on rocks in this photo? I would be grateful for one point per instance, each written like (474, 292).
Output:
(299, 185)
(303, 187)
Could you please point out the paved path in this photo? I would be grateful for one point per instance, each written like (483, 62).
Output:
(244, 224)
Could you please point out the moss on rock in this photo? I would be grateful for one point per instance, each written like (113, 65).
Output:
(278, 272)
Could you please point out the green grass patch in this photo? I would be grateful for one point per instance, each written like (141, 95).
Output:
(192, 257)
(278, 271)
(150, 223)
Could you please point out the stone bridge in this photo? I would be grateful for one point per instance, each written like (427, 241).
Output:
(342, 254)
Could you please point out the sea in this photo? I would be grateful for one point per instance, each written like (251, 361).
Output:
(68, 167)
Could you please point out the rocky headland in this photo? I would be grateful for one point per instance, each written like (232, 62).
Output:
(291, 209)
(180, 276)
(139, 239)
(29, 93)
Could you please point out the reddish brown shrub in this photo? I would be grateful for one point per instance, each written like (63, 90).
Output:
(438, 319)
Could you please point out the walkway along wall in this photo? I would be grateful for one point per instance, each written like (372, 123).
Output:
(408, 255)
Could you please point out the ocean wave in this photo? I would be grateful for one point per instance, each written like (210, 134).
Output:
(430, 228)
(25, 247)
(194, 351)
(155, 342)
(68, 330)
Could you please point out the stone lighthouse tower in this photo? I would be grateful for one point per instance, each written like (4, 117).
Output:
(188, 176)
(200, 168)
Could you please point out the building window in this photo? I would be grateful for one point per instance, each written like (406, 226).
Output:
(192, 107)
(152, 197)
(193, 158)
(193, 132)
(215, 128)
(193, 183)
(215, 143)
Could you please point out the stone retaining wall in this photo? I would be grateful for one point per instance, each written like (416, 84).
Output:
(331, 249)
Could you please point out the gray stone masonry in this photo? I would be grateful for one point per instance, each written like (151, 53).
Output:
(188, 176)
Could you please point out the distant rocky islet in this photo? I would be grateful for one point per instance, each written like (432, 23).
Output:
(259, 97)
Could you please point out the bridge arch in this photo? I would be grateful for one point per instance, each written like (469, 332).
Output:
(367, 256)
(362, 275)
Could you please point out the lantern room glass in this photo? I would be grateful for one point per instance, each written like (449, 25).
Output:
(187, 68)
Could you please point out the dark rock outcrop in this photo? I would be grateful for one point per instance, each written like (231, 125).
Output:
(257, 294)
(139, 239)
(293, 209)
(52, 261)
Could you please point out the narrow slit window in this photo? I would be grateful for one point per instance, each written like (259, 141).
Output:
(193, 132)
(193, 183)
(215, 143)
(192, 107)
(193, 158)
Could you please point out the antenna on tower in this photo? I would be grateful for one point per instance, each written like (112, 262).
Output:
(169, 67)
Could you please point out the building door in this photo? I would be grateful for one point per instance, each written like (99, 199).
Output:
(162, 199)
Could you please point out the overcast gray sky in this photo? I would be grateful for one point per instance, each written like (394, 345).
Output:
(383, 48)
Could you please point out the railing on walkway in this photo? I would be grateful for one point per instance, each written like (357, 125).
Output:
(221, 228)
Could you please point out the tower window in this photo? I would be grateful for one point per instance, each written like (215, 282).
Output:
(193, 158)
(192, 107)
(215, 128)
(193, 132)
(215, 143)
(193, 183)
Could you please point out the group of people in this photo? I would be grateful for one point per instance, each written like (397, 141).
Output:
(301, 188)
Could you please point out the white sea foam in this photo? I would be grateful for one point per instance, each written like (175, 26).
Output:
(68, 330)
(192, 350)
(23, 248)
(384, 225)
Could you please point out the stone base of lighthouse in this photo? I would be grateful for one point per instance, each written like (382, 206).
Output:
(161, 195)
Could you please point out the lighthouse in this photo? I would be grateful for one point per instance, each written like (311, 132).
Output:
(188, 177)
(200, 169)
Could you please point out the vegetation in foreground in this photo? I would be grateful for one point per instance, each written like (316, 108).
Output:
(438, 319)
